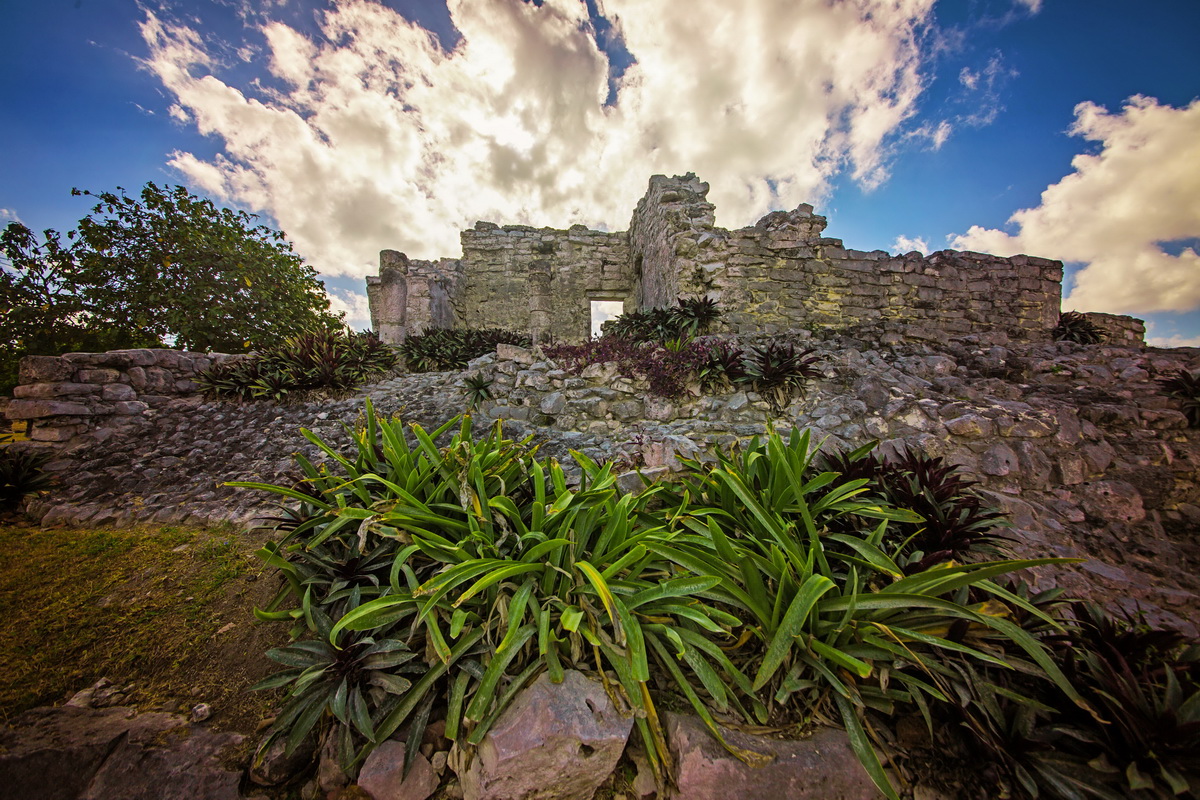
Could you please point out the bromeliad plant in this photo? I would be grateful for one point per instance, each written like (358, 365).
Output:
(500, 572)
(1076, 327)
(734, 589)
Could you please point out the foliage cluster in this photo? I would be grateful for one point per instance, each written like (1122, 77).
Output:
(324, 360)
(777, 370)
(162, 266)
(1184, 386)
(1076, 327)
(1137, 733)
(439, 349)
(21, 473)
(763, 585)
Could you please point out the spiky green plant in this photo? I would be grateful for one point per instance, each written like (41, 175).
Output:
(1076, 327)
(1184, 386)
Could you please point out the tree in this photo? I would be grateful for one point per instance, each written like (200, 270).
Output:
(163, 266)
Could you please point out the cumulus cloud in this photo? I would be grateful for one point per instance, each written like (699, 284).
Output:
(903, 244)
(370, 135)
(1174, 340)
(8, 215)
(1118, 208)
(353, 305)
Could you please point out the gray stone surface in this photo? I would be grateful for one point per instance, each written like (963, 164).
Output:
(555, 742)
(80, 753)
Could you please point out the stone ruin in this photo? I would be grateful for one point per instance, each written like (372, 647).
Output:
(779, 275)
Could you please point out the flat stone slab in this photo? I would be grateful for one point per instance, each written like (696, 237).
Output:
(821, 767)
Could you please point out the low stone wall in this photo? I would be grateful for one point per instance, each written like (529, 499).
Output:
(67, 399)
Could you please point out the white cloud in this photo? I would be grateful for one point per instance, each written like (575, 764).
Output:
(354, 305)
(903, 244)
(374, 137)
(8, 215)
(1115, 210)
(1032, 6)
(1173, 341)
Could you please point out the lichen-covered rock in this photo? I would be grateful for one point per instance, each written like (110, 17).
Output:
(555, 742)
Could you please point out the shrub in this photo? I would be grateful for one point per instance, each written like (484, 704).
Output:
(835, 626)
(326, 360)
(21, 472)
(1184, 386)
(1076, 327)
(450, 349)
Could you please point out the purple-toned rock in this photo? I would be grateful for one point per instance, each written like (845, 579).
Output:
(822, 767)
(555, 742)
(275, 766)
(45, 369)
(184, 764)
(41, 391)
(382, 774)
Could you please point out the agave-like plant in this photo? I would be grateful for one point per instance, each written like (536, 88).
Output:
(1076, 327)
(1184, 386)
(22, 472)
(478, 389)
(779, 371)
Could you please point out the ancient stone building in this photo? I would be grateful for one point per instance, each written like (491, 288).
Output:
(779, 274)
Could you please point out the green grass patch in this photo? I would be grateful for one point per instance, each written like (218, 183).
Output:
(166, 610)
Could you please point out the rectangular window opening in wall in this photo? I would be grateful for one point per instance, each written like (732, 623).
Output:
(604, 310)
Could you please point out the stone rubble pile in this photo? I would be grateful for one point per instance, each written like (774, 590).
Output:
(1077, 443)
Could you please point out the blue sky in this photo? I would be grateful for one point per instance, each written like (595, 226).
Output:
(1050, 127)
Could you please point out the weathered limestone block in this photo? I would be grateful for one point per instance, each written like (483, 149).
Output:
(41, 391)
(45, 369)
(98, 375)
(822, 767)
(39, 409)
(555, 742)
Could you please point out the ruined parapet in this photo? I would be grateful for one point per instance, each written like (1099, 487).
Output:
(1119, 330)
(76, 398)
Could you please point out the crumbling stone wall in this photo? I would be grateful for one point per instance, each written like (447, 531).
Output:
(535, 280)
(780, 274)
(1119, 330)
